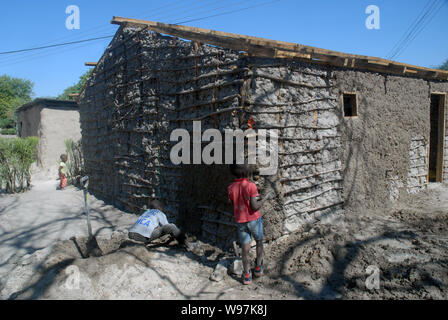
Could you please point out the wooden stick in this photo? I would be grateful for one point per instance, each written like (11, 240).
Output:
(210, 102)
(210, 114)
(297, 126)
(306, 151)
(310, 176)
(232, 224)
(306, 163)
(312, 186)
(313, 196)
(217, 210)
(288, 82)
(289, 111)
(325, 207)
(313, 138)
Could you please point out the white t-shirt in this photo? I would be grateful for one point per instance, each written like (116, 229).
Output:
(148, 221)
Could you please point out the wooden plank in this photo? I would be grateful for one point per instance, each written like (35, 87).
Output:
(280, 49)
(290, 55)
(231, 224)
(377, 62)
(412, 71)
(441, 137)
(90, 64)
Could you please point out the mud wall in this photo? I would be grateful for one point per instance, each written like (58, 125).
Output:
(385, 148)
(57, 125)
(146, 85)
(53, 122)
(297, 100)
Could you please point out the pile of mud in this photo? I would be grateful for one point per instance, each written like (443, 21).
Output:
(398, 256)
(126, 270)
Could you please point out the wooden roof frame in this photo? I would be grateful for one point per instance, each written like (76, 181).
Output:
(261, 47)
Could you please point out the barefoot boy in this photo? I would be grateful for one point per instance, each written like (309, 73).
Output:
(63, 172)
(152, 224)
(246, 202)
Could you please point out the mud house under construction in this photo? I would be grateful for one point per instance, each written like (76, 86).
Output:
(354, 131)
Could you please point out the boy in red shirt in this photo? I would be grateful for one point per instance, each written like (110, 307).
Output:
(246, 202)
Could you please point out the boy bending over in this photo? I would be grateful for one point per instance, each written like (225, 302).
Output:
(152, 224)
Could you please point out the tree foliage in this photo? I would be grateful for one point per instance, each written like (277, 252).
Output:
(76, 88)
(444, 66)
(13, 93)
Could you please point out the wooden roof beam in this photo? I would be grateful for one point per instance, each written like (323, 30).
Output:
(261, 47)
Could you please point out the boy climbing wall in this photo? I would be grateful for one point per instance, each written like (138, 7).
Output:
(246, 202)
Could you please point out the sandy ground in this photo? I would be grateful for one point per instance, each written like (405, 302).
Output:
(405, 246)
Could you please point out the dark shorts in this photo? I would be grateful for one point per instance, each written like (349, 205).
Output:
(138, 237)
(252, 228)
(157, 233)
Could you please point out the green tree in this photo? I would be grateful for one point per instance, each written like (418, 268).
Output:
(13, 93)
(76, 88)
(444, 66)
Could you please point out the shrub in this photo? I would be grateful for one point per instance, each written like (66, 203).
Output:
(16, 157)
(9, 131)
(75, 160)
(6, 123)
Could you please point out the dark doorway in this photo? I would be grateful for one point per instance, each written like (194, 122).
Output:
(436, 138)
(350, 105)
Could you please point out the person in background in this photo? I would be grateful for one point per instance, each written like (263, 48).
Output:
(63, 172)
(246, 202)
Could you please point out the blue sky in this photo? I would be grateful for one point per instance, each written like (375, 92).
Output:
(336, 25)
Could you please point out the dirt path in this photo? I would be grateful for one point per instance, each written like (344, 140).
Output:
(406, 245)
(36, 219)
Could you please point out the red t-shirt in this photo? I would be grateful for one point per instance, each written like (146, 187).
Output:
(240, 192)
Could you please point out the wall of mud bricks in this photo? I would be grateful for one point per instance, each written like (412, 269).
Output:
(146, 85)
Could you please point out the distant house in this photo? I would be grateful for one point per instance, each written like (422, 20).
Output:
(53, 121)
